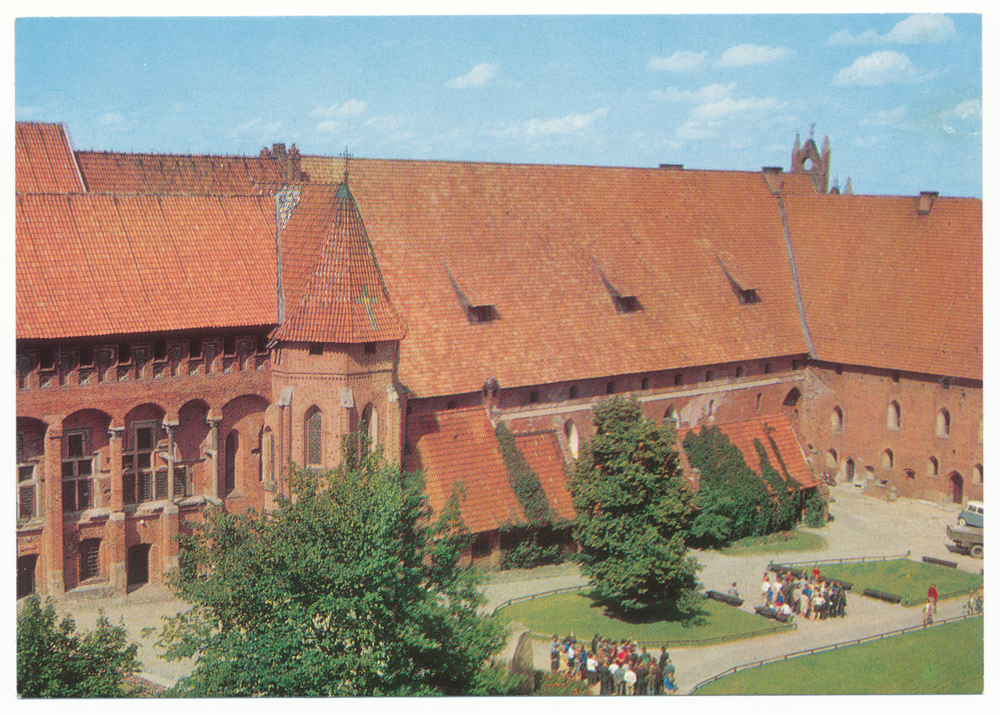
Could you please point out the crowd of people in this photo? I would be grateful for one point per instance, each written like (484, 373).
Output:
(614, 667)
(814, 598)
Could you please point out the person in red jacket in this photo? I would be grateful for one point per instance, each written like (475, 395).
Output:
(932, 594)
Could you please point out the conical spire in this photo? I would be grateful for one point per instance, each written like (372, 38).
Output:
(345, 299)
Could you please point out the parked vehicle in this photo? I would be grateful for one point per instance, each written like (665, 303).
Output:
(971, 515)
(967, 538)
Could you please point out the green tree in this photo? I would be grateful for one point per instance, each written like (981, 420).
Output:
(632, 514)
(347, 588)
(53, 661)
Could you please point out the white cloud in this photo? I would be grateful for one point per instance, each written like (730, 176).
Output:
(111, 119)
(728, 106)
(351, 107)
(885, 118)
(922, 28)
(708, 93)
(696, 130)
(915, 28)
(329, 126)
(480, 75)
(256, 127)
(680, 61)
(387, 122)
(968, 109)
(744, 55)
(570, 124)
(878, 69)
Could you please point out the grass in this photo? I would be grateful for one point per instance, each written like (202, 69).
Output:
(564, 612)
(943, 659)
(779, 543)
(902, 577)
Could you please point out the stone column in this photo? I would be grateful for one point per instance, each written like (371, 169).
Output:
(170, 426)
(170, 520)
(115, 531)
(52, 534)
(213, 452)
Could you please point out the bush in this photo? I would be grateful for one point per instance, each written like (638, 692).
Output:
(815, 511)
(529, 553)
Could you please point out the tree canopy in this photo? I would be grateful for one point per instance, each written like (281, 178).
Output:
(632, 513)
(347, 588)
(54, 661)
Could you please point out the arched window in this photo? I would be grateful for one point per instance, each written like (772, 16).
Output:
(837, 420)
(573, 438)
(977, 474)
(892, 418)
(671, 415)
(232, 453)
(369, 425)
(932, 467)
(314, 438)
(792, 398)
(887, 459)
(943, 423)
(832, 462)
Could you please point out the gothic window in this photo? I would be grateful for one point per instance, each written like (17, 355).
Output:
(837, 420)
(77, 471)
(832, 461)
(792, 398)
(142, 481)
(977, 474)
(892, 420)
(369, 425)
(943, 423)
(90, 559)
(314, 438)
(573, 438)
(887, 459)
(932, 467)
(232, 459)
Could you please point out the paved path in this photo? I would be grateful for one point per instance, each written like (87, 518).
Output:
(862, 527)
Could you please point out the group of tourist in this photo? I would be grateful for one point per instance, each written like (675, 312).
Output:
(814, 598)
(614, 667)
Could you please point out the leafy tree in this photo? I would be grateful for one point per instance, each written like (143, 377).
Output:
(347, 588)
(632, 514)
(53, 661)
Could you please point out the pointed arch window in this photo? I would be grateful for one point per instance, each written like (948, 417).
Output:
(314, 438)
(573, 438)
(232, 459)
(832, 461)
(837, 420)
(977, 474)
(893, 416)
(887, 459)
(932, 467)
(943, 423)
(369, 425)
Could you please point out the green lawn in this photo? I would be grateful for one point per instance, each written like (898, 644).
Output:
(902, 577)
(782, 542)
(564, 612)
(943, 659)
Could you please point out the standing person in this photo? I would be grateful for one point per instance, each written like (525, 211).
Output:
(733, 591)
(797, 596)
(669, 678)
(554, 648)
(655, 682)
(606, 677)
(629, 678)
(816, 573)
(619, 674)
(641, 677)
(765, 590)
(928, 612)
(932, 594)
(664, 656)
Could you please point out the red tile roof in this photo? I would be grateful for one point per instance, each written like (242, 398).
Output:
(529, 240)
(742, 435)
(109, 172)
(458, 448)
(102, 265)
(541, 451)
(44, 162)
(342, 297)
(904, 292)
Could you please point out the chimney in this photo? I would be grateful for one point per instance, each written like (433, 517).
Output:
(772, 175)
(926, 202)
(672, 167)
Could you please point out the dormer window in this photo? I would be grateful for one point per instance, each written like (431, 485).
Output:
(627, 304)
(315, 348)
(747, 296)
(482, 313)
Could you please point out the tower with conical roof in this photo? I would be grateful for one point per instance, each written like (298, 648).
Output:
(336, 350)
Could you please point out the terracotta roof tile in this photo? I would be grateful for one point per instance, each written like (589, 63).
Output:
(541, 451)
(458, 448)
(531, 238)
(343, 298)
(742, 435)
(103, 265)
(110, 172)
(43, 158)
(906, 292)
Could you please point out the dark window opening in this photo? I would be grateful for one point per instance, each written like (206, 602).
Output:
(840, 369)
(229, 345)
(895, 376)
(709, 375)
(232, 453)
(533, 397)
(792, 398)
(86, 356)
(195, 347)
(46, 359)
(90, 559)
(678, 379)
(748, 296)
(574, 392)
(796, 364)
(74, 445)
(261, 343)
(611, 387)
(315, 348)
(767, 368)
(160, 350)
(124, 354)
(627, 304)
(369, 348)
(645, 383)
(451, 405)
(759, 395)
(482, 314)
(314, 438)
(739, 371)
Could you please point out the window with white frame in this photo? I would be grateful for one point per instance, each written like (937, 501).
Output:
(142, 479)
(77, 471)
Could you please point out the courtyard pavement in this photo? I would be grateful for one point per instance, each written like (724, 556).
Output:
(862, 526)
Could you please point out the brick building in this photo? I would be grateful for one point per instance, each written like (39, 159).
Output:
(188, 324)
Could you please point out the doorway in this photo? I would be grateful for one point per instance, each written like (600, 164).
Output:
(137, 566)
(26, 575)
(850, 471)
(956, 488)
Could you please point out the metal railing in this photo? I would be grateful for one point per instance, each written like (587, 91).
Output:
(835, 646)
(532, 597)
(858, 559)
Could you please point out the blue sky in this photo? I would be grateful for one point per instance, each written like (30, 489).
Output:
(900, 96)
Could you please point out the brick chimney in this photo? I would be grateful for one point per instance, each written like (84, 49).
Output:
(672, 167)
(926, 201)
